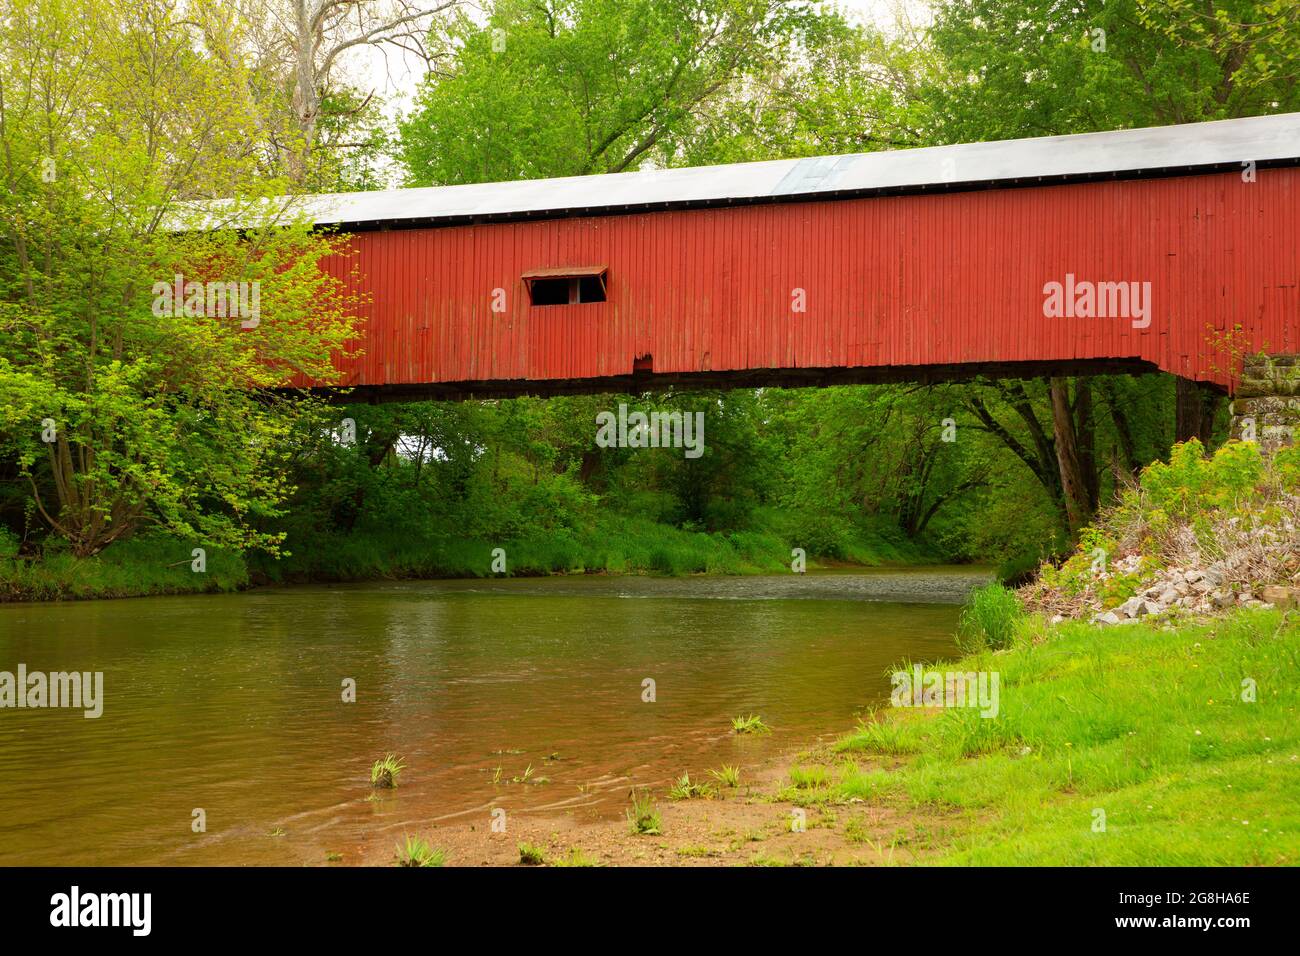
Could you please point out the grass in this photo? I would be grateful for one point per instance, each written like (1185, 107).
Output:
(989, 619)
(530, 855)
(145, 564)
(752, 724)
(687, 789)
(416, 852)
(727, 776)
(810, 778)
(1146, 723)
(613, 542)
(527, 777)
(879, 736)
(575, 857)
(384, 773)
(642, 817)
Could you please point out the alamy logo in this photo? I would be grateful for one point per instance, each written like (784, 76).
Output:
(134, 910)
(921, 688)
(1098, 300)
(216, 300)
(656, 430)
(35, 689)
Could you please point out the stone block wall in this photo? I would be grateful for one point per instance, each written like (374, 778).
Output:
(1266, 407)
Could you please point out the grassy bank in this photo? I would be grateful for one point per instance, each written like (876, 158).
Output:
(614, 545)
(1143, 723)
(132, 568)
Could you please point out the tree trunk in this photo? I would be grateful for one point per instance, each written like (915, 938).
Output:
(1195, 407)
(1073, 484)
(1086, 441)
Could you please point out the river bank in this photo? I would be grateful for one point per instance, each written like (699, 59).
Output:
(1140, 745)
(157, 565)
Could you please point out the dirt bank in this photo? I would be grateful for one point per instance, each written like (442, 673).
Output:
(746, 826)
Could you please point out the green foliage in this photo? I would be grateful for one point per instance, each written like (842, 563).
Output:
(119, 409)
(989, 618)
(1042, 70)
(1191, 483)
(1286, 463)
(587, 86)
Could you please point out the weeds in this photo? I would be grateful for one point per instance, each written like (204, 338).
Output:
(416, 852)
(687, 789)
(752, 724)
(642, 817)
(384, 773)
(727, 776)
(530, 855)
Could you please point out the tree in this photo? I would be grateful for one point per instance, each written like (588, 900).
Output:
(121, 403)
(574, 87)
(322, 127)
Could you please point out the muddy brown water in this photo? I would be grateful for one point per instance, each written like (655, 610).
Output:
(233, 704)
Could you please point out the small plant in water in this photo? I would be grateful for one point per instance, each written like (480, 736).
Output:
(383, 775)
(727, 776)
(753, 724)
(687, 789)
(415, 852)
(642, 816)
(530, 855)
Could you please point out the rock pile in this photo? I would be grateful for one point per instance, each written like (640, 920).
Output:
(1196, 591)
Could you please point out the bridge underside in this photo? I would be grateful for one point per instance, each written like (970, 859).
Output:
(648, 380)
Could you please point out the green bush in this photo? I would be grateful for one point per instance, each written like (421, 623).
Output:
(1191, 483)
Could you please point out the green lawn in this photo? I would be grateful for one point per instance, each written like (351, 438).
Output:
(1147, 725)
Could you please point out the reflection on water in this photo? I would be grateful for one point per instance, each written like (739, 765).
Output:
(233, 704)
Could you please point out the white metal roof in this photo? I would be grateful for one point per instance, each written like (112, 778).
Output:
(1085, 155)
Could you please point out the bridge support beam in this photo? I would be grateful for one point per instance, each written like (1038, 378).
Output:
(1266, 408)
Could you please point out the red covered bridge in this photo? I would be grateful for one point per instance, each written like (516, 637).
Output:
(918, 264)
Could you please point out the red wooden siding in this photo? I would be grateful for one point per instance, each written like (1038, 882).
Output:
(912, 280)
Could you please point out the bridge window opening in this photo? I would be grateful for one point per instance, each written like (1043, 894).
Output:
(566, 286)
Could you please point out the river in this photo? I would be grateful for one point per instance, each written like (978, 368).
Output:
(230, 710)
